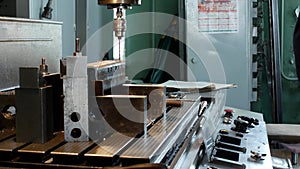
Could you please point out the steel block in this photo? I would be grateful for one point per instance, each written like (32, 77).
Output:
(76, 100)
(34, 120)
(156, 98)
(126, 114)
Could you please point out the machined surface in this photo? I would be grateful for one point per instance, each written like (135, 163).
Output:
(105, 70)
(103, 78)
(104, 75)
(161, 137)
(156, 98)
(111, 73)
(110, 146)
(23, 43)
(36, 151)
(72, 148)
(71, 152)
(34, 122)
(10, 145)
(54, 80)
(76, 99)
(29, 77)
(106, 152)
(126, 114)
(43, 148)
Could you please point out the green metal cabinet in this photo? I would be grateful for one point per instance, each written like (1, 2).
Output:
(290, 85)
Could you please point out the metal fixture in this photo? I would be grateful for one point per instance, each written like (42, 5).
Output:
(43, 67)
(76, 93)
(34, 122)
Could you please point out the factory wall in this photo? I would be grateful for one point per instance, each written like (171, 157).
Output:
(141, 48)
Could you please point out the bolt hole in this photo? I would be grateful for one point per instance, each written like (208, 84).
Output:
(9, 110)
(76, 133)
(75, 117)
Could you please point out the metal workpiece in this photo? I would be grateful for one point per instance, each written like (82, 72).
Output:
(54, 80)
(110, 73)
(24, 42)
(156, 98)
(104, 77)
(30, 77)
(34, 120)
(76, 99)
(106, 70)
(34, 102)
(75, 109)
(77, 67)
(126, 114)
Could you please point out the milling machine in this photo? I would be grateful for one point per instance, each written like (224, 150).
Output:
(133, 126)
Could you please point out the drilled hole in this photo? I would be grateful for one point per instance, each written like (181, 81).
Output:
(75, 117)
(76, 133)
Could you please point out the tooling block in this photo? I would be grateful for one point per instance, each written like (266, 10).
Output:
(29, 77)
(104, 77)
(34, 122)
(76, 99)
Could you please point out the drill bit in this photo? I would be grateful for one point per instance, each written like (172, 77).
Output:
(119, 49)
